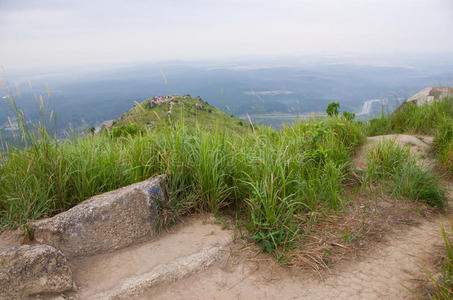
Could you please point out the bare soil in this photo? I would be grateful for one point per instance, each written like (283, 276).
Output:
(379, 273)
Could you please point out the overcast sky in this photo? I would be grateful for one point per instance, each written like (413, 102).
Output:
(63, 33)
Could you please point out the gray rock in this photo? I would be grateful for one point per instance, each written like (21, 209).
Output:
(105, 222)
(430, 94)
(28, 270)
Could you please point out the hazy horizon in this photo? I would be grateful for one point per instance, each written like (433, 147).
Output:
(245, 56)
(51, 33)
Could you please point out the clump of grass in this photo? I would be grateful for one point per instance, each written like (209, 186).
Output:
(418, 184)
(443, 143)
(386, 159)
(395, 165)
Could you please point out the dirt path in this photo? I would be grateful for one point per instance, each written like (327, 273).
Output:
(380, 273)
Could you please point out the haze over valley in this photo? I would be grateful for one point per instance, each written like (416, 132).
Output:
(289, 86)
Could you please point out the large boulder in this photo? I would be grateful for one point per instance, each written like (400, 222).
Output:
(105, 222)
(28, 270)
(430, 94)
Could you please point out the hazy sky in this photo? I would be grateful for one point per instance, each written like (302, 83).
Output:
(66, 32)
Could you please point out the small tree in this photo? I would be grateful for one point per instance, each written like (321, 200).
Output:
(348, 115)
(332, 109)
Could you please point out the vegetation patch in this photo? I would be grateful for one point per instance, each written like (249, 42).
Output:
(411, 118)
(398, 169)
(434, 118)
(268, 178)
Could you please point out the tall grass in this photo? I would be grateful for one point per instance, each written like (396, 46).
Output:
(389, 161)
(435, 118)
(411, 118)
(270, 178)
(443, 143)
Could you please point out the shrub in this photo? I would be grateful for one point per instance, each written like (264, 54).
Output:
(348, 115)
(125, 130)
(332, 109)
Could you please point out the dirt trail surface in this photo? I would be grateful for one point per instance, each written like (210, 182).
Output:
(377, 274)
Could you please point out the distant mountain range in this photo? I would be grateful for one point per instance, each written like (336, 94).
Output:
(89, 97)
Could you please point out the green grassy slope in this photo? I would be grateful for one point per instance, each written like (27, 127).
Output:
(185, 110)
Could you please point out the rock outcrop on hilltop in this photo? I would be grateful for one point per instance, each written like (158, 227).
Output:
(430, 94)
(427, 95)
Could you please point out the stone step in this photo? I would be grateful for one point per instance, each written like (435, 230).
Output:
(189, 247)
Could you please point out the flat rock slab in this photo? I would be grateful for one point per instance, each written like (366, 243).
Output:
(105, 222)
(190, 246)
(29, 270)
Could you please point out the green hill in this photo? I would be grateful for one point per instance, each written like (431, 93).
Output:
(158, 111)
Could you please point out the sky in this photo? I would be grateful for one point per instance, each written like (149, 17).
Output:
(59, 33)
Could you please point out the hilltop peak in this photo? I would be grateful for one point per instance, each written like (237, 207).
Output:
(192, 111)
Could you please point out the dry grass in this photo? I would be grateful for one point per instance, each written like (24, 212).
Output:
(335, 237)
